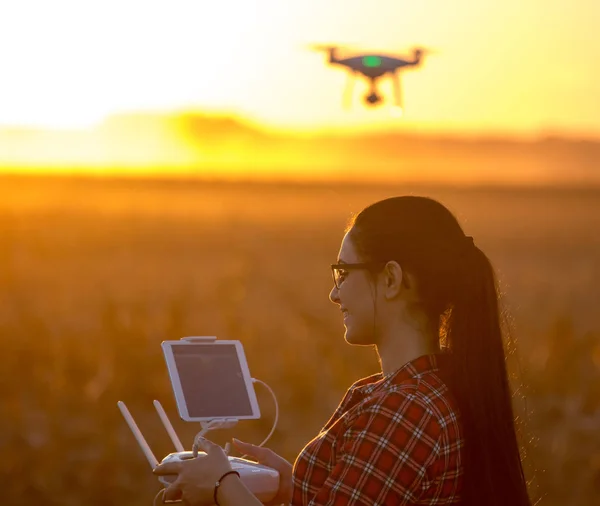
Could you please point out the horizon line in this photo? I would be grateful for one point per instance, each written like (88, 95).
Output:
(247, 121)
(591, 186)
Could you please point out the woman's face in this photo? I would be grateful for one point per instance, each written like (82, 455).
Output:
(356, 297)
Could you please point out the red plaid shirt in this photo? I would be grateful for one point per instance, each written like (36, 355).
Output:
(392, 440)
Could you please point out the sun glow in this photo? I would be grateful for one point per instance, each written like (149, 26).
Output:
(76, 63)
(65, 119)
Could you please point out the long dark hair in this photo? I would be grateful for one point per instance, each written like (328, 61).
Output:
(459, 293)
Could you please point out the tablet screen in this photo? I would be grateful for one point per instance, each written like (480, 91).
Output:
(212, 382)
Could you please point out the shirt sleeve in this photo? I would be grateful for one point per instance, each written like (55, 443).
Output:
(386, 450)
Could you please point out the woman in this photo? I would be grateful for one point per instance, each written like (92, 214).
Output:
(436, 425)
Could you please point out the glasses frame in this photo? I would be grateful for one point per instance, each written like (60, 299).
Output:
(350, 267)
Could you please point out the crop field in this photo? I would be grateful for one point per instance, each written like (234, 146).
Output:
(95, 273)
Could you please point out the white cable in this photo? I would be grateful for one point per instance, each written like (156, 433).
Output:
(161, 496)
(254, 380)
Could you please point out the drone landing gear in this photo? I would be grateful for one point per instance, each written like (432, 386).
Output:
(373, 98)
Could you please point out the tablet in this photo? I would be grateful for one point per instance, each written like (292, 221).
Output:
(210, 380)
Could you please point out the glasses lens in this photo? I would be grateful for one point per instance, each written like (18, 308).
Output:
(338, 276)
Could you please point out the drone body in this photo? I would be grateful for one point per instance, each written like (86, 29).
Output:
(373, 67)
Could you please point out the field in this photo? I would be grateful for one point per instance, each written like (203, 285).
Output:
(94, 274)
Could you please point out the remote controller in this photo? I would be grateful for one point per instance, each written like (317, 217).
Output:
(261, 480)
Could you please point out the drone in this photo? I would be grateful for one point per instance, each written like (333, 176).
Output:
(373, 67)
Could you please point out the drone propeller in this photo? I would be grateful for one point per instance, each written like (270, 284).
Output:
(397, 90)
(426, 50)
(349, 90)
(322, 47)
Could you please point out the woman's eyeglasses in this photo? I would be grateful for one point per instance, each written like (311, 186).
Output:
(339, 271)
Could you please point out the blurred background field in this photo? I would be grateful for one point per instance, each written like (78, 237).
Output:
(95, 273)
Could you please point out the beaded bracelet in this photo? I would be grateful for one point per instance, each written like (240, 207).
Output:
(218, 484)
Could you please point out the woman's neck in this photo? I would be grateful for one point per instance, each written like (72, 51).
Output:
(403, 343)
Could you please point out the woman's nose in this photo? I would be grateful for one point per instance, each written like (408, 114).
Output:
(334, 295)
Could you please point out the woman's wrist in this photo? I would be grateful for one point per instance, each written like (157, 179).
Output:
(219, 482)
(233, 492)
(224, 490)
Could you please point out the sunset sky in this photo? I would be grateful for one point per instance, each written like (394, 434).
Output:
(510, 67)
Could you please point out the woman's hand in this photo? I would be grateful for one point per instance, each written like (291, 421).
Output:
(196, 478)
(269, 458)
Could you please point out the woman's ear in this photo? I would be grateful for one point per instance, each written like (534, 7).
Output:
(393, 279)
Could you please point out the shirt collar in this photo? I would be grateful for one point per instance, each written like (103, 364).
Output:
(416, 367)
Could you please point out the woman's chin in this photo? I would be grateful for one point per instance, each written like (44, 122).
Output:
(350, 337)
(347, 334)
(356, 338)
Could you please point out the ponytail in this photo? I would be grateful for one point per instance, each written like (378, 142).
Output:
(478, 379)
